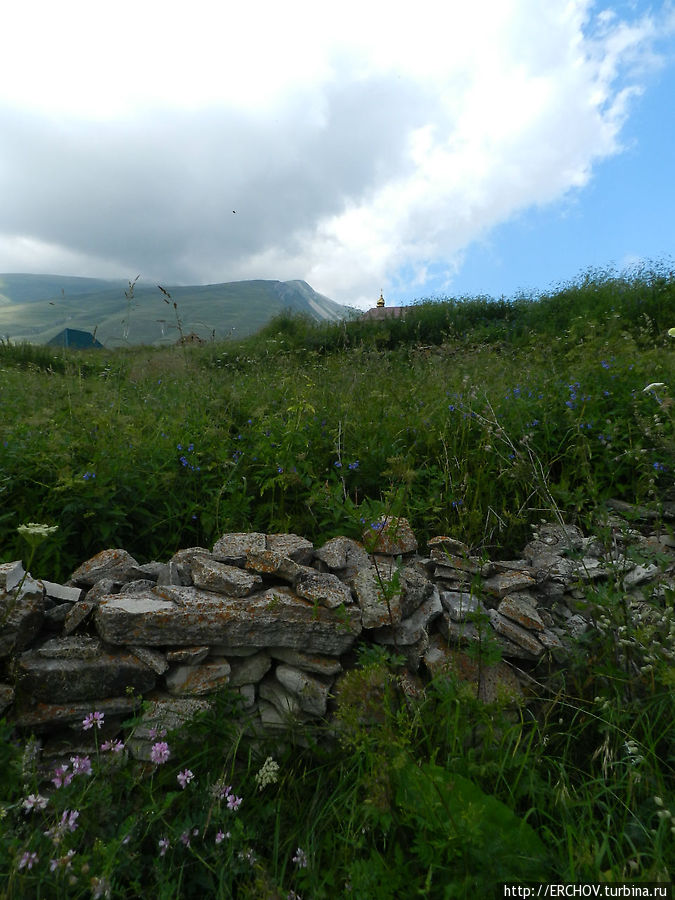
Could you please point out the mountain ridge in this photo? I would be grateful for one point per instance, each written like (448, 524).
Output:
(35, 308)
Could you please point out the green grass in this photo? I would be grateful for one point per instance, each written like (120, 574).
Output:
(471, 418)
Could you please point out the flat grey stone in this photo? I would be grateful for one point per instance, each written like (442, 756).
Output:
(271, 562)
(72, 679)
(375, 611)
(78, 613)
(516, 634)
(11, 574)
(73, 647)
(312, 693)
(22, 615)
(194, 681)
(414, 628)
(504, 583)
(250, 669)
(231, 581)
(297, 548)
(45, 716)
(323, 588)
(460, 604)
(284, 701)
(232, 548)
(61, 591)
(342, 553)
(116, 564)
(153, 659)
(520, 609)
(320, 665)
(183, 616)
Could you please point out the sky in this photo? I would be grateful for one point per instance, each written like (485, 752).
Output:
(423, 150)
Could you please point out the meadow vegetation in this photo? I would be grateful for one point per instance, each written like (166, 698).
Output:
(472, 417)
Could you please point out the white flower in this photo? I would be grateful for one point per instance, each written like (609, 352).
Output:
(268, 774)
(655, 385)
(35, 529)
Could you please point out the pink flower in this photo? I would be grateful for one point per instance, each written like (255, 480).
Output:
(62, 777)
(163, 846)
(81, 765)
(34, 801)
(115, 746)
(94, 718)
(28, 860)
(221, 835)
(233, 802)
(160, 752)
(184, 777)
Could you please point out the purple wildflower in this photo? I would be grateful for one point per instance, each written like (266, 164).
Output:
(160, 752)
(300, 858)
(62, 777)
(94, 718)
(81, 765)
(115, 746)
(184, 778)
(28, 860)
(34, 801)
(163, 846)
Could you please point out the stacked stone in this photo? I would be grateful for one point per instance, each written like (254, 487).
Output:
(276, 620)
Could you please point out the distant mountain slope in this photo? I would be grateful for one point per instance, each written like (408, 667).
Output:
(37, 307)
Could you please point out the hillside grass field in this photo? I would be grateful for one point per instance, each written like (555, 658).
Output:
(471, 417)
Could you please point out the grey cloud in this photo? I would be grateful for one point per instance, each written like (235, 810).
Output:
(156, 193)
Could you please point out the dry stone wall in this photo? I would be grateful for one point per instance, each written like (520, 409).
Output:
(278, 621)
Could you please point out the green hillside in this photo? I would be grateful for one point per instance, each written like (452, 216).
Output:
(35, 308)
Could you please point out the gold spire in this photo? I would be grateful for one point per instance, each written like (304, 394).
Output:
(380, 302)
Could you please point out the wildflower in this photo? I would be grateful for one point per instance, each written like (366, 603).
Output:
(354, 465)
(300, 858)
(184, 778)
(34, 801)
(268, 774)
(219, 791)
(115, 746)
(221, 835)
(28, 860)
(35, 529)
(155, 732)
(337, 464)
(81, 765)
(233, 802)
(94, 718)
(100, 887)
(160, 752)
(62, 862)
(164, 845)
(671, 332)
(659, 467)
(62, 777)
(654, 386)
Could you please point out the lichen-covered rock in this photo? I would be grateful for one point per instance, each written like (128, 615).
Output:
(390, 536)
(73, 678)
(116, 564)
(199, 680)
(183, 616)
(379, 606)
(297, 548)
(232, 548)
(21, 616)
(311, 692)
(223, 579)
(411, 630)
(323, 588)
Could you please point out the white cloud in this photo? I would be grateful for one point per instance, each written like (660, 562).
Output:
(355, 142)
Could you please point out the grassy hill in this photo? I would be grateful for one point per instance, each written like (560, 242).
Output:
(472, 419)
(35, 308)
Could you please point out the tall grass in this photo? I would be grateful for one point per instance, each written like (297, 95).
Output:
(469, 418)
